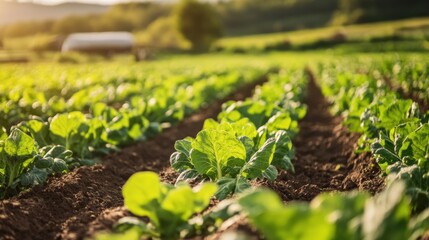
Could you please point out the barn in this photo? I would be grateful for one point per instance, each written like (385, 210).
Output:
(99, 42)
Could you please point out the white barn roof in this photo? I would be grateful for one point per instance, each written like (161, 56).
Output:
(98, 41)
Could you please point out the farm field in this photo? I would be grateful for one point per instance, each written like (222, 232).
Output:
(282, 141)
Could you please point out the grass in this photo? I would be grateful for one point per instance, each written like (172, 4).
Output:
(411, 28)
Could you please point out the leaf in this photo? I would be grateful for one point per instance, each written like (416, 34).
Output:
(3, 133)
(260, 161)
(386, 216)
(34, 177)
(203, 194)
(63, 125)
(43, 162)
(248, 145)
(180, 160)
(217, 152)
(228, 186)
(383, 155)
(188, 174)
(270, 173)
(395, 114)
(58, 151)
(59, 166)
(283, 153)
(343, 211)
(280, 121)
(276, 221)
(179, 202)
(183, 201)
(142, 195)
(19, 146)
(210, 123)
(39, 131)
(416, 145)
(419, 225)
(244, 127)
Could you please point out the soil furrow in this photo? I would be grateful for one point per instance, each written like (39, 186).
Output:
(89, 198)
(325, 158)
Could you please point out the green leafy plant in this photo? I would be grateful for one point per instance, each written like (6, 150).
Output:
(168, 208)
(221, 154)
(16, 153)
(352, 215)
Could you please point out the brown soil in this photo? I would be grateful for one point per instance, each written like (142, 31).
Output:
(89, 199)
(76, 204)
(325, 158)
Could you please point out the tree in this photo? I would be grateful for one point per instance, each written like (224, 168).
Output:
(198, 23)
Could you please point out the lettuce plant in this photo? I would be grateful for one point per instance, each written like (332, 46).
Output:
(224, 153)
(168, 208)
(16, 153)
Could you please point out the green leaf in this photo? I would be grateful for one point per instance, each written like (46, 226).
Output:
(283, 153)
(3, 133)
(43, 162)
(383, 155)
(270, 173)
(280, 121)
(416, 145)
(343, 210)
(59, 166)
(215, 153)
(34, 177)
(244, 127)
(63, 125)
(260, 201)
(180, 160)
(275, 221)
(183, 202)
(142, 195)
(260, 161)
(395, 114)
(58, 151)
(229, 185)
(39, 130)
(248, 145)
(419, 225)
(386, 216)
(19, 146)
(210, 123)
(187, 174)
(226, 186)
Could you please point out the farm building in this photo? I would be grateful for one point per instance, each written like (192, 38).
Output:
(99, 42)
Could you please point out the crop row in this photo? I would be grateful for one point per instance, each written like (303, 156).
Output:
(249, 140)
(45, 144)
(392, 128)
(222, 153)
(40, 93)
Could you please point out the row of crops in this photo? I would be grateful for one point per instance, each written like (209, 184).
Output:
(251, 139)
(49, 127)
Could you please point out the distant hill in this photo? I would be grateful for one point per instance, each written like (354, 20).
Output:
(11, 12)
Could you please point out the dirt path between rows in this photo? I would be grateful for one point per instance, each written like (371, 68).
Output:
(325, 158)
(89, 198)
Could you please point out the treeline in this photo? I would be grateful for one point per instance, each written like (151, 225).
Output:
(238, 17)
